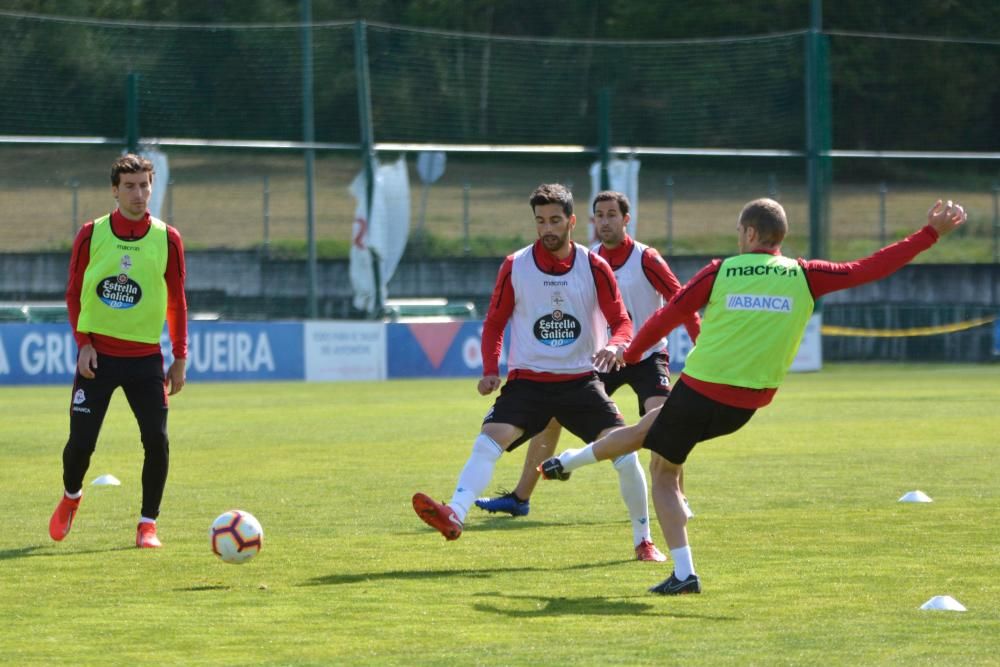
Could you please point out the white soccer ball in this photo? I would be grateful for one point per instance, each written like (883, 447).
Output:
(236, 536)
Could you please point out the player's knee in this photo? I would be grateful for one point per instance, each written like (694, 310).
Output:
(626, 461)
(664, 472)
(487, 447)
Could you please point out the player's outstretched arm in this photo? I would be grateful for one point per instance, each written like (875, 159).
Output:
(946, 217)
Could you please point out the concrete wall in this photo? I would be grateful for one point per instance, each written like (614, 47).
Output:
(246, 275)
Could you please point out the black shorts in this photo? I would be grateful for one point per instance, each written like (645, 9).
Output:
(688, 418)
(648, 378)
(582, 406)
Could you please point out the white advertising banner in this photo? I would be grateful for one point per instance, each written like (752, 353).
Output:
(336, 351)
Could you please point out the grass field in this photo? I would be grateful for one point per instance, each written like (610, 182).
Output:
(217, 200)
(806, 556)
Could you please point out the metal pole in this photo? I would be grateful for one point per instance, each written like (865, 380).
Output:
(267, 215)
(466, 190)
(772, 186)
(604, 134)
(996, 223)
(817, 129)
(132, 112)
(75, 185)
(367, 144)
(670, 214)
(170, 201)
(883, 190)
(309, 136)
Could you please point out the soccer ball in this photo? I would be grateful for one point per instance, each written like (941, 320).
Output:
(236, 536)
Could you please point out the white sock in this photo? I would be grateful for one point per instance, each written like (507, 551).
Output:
(74, 496)
(146, 519)
(632, 484)
(572, 459)
(476, 474)
(683, 565)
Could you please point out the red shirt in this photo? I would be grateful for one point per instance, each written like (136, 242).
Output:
(657, 272)
(822, 276)
(130, 230)
(502, 307)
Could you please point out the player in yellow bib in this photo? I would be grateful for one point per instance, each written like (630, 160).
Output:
(757, 305)
(126, 277)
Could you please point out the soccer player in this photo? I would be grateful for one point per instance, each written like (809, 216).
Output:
(561, 300)
(646, 283)
(757, 305)
(126, 276)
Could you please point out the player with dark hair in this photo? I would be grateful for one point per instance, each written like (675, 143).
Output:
(646, 283)
(126, 277)
(757, 305)
(561, 300)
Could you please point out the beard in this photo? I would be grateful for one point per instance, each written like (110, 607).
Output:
(554, 242)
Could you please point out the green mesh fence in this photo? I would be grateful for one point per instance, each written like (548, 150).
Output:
(244, 82)
(450, 88)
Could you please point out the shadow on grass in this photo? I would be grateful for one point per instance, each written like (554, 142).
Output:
(518, 523)
(541, 605)
(585, 606)
(416, 575)
(39, 551)
(205, 587)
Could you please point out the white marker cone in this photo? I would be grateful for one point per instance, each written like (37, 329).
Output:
(106, 480)
(915, 497)
(942, 603)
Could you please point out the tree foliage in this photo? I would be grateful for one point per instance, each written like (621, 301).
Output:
(885, 93)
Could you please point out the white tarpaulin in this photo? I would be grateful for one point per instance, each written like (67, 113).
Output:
(623, 176)
(381, 234)
(161, 180)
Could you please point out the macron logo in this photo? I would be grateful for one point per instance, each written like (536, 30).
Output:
(769, 304)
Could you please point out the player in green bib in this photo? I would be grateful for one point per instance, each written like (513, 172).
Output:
(126, 278)
(757, 305)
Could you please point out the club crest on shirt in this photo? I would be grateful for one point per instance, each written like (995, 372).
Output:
(126, 263)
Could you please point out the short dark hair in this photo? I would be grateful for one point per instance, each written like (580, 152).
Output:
(129, 163)
(612, 195)
(552, 193)
(768, 218)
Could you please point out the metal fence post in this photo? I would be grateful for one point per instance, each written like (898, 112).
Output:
(996, 223)
(670, 214)
(132, 112)
(170, 201)
(466, 190)
(266, 203)
(75, 185)
(309, 136)
(883, 190)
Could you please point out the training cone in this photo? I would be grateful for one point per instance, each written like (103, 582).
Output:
(915, 497)
(942, 603)
(106, 480)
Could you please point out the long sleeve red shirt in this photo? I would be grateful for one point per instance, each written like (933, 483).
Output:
(502, 307)
(822, 276)
(657, 272)
(130, 230)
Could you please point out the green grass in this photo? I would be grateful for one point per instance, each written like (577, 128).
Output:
(805, 554)
(217, 201)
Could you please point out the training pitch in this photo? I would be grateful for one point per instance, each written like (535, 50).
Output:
(805, 555)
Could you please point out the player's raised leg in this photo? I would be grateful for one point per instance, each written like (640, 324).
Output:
(611, 445)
